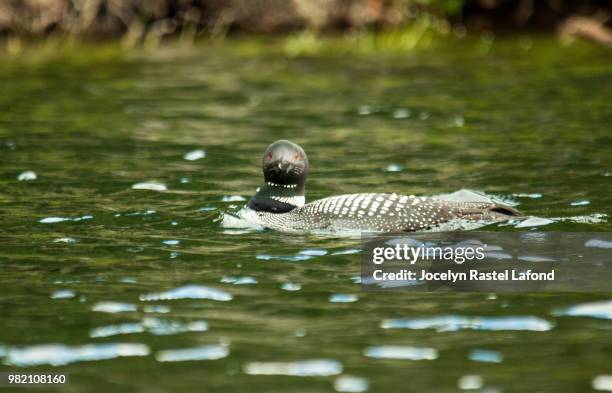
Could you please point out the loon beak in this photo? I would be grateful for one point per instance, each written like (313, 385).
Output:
(284, 166)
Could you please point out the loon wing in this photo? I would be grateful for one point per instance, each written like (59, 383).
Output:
(394, 212)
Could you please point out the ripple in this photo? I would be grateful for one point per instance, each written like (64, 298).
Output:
(53, 220)
(598, 243)
(402, 352)
(602, 383)
(303, 368)
(423, 115)
(450, 323)
(171, 242)
(533, 222)
(315, 252)
(458, 121)
(486, 356)
(401, 113)
(524, 195)
(498, 255)
(160, 309)
(364, 110)
(63, 294)
(113, 307)
(233, 198)
(142, 213)
(189, 292)
(293, 258)
(351, 384)
(343, 298)
(27, 176)
(394, 168)
(160, 327)
(582, 202)
(470, 382)
(67, 240)
(600, 310)
(114, 330)
(59, 355)
(594, 218)
(347, 251)
(244, 280)
(194, 155)
(303, 255)
(535, 258)
(205, 352)
(151, 186)
(289, 286)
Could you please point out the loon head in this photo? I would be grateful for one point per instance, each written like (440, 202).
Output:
(285, 164)
(285, 169)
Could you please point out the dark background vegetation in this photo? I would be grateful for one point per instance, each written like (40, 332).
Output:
(115, 18)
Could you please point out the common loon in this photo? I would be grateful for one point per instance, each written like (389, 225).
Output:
(280, 204)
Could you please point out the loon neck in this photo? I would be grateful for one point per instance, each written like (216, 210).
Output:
(277, 198)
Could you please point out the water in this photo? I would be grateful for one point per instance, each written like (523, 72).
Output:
(115, 268)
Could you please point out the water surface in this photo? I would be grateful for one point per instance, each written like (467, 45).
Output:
(141, 289)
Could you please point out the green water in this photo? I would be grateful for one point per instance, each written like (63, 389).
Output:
(531, 124)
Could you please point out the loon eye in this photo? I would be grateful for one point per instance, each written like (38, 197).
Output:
(297, 156)
(269, 157)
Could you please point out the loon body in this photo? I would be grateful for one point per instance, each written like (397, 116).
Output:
(279, 204)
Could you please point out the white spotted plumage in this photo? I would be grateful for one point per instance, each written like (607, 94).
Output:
(375, 212)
